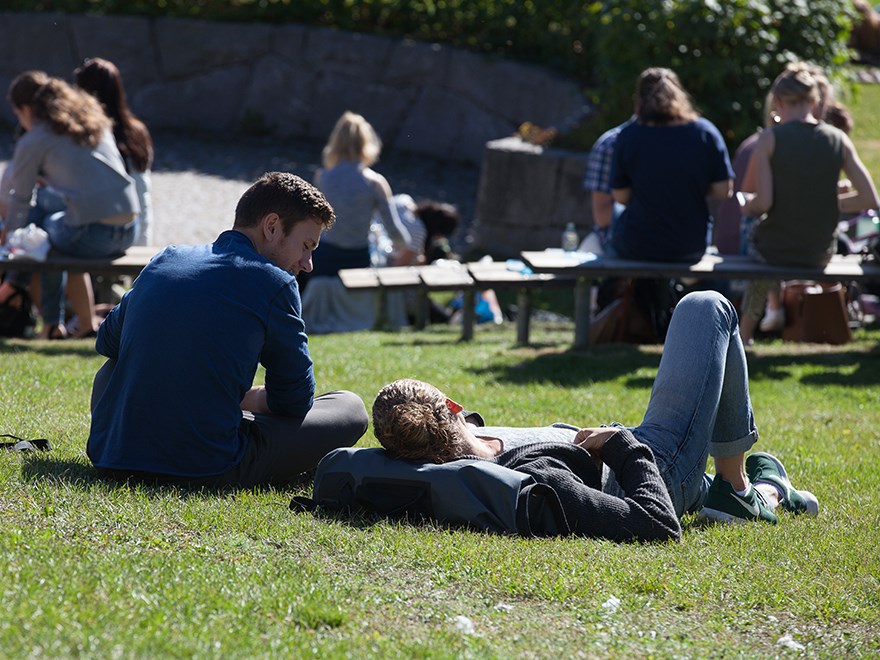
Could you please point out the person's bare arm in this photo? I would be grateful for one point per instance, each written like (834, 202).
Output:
(255, 400)
(763, 199)
(749, 178)
(721, 189)
(622, 195)
(862, 194)
(603, 208)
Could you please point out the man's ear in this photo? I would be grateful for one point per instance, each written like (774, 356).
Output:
(271, 227)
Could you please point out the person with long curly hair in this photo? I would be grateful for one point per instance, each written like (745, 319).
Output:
(101, 79)
(85, 200)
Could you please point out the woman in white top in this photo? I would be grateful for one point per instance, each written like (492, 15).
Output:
(101, 79)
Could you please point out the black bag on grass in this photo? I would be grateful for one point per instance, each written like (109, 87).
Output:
(470, 492)
(17, 315)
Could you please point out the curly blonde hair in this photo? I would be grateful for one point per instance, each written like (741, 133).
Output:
(352, 139)
(66, 109)
(662, 99)
(412, 421)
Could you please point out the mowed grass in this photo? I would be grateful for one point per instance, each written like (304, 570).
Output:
(95, 569)
(98, 570)
(866, 131)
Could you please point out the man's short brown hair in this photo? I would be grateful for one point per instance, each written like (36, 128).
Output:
(292, 198)
(412, 421)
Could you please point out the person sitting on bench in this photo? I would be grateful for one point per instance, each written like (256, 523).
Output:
(647, 476)
(175, 402)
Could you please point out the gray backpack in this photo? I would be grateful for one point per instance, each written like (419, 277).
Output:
(470, 492)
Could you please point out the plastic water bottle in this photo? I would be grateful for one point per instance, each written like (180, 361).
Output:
(570, 238)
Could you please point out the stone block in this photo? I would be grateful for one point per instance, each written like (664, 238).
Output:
(36, 41)
(188, 47)
(445, 125)
(417, 64)
(348, 54)
(124, 40)
(277, 98)
(204, 102)
(527, 195)
(518, 92)
(384, 107)
(289, 43)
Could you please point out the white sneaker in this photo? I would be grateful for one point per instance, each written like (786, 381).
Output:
(773, 321)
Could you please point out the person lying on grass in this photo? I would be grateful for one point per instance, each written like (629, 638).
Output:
(176, 402)
(619, 483)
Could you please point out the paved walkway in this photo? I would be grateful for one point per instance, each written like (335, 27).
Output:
(197, 180)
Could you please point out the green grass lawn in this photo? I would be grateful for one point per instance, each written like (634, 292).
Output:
(100, 570)
(93, 569)
(866, 131)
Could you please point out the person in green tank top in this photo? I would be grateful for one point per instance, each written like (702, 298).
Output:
(797, 197)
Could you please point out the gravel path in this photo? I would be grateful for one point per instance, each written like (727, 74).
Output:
(197, 179)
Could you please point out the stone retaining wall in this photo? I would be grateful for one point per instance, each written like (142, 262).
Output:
(295, 81)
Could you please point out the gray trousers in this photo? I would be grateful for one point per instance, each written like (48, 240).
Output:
(279, 448)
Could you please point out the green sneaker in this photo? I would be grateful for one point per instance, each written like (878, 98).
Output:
(723, 504)
(769, 469)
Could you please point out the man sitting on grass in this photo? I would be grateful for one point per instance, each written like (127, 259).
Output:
(640, 481)
(175, 402)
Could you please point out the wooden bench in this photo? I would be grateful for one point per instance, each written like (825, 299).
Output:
(587, 269)
(468, 278)
(131, 263)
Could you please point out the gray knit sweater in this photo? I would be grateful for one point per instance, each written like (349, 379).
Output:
(644, 512)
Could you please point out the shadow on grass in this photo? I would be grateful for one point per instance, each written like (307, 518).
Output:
(851, 368)
(84, 347)
(846, 368)
(43, 467)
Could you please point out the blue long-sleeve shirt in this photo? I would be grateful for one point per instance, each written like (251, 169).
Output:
(187, 340)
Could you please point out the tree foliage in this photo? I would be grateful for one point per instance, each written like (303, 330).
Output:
(726, 52)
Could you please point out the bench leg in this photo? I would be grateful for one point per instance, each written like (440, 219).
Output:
(582, 313)
(421, 309)
(468, 315)
(524, 316)
(381, 310)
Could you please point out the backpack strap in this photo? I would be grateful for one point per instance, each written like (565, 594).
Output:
(302, 504)
(21, 444)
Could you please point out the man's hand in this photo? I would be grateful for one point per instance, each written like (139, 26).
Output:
(255, 400)
(593, 439)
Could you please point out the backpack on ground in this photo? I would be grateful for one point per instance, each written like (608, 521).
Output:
(469, 492)
(17, 315)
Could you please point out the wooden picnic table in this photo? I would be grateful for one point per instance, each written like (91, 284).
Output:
(131, 263)
(468, 278)
(587, 268)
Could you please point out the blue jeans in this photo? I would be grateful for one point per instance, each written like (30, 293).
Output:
(699, 404)
(94, 241)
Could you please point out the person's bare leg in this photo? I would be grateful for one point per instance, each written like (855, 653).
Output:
(747, 327)
(82, 300)
(733, 470)
(6, 292)
(774, 299)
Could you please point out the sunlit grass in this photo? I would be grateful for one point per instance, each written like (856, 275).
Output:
(95, 569)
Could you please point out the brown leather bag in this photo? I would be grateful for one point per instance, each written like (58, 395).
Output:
(816, 312)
